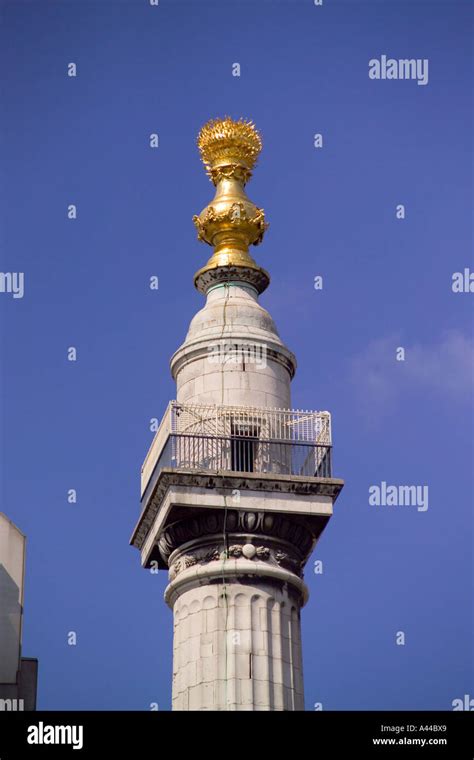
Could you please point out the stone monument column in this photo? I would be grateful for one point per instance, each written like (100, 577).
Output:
(237, 486)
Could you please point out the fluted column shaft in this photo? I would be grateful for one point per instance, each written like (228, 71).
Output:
(237, 639)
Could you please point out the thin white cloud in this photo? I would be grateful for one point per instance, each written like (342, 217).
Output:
(444, 367)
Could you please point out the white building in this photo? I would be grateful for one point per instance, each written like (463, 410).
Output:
(236, 487)
(18, 675)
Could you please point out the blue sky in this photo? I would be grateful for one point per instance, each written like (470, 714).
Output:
(387, 284)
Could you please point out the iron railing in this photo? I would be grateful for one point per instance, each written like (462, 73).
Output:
(245, 454)
(241, 439)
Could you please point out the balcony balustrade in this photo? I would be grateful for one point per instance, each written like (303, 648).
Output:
(221, 439)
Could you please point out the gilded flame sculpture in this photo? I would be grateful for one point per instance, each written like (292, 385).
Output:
(229, 150)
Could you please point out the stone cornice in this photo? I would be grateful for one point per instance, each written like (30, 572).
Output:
(206, 277)
(199, 349)
(228, 481)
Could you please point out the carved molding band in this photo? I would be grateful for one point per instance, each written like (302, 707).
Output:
(207, 277)
(243, 218)
(293, 531)
(249, 551)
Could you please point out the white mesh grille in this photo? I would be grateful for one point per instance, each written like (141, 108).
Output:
(266, 424)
